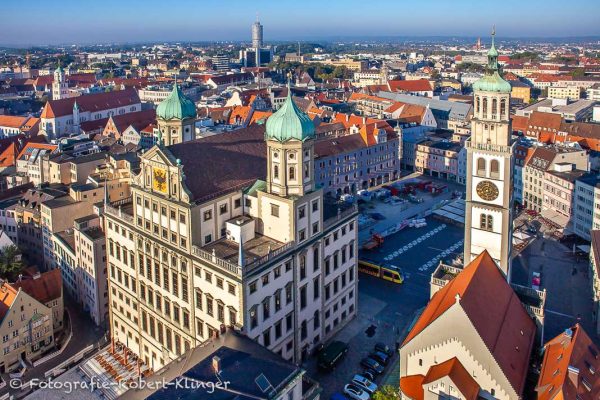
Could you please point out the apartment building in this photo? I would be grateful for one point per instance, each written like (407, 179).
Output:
(569, 367)
(559, 193)
(80, 254)
(587, 205)
(191, 254)
(594, 274)
(546, 159)
(360, 160)
(564, 92)
(27, 327)
(438, 158)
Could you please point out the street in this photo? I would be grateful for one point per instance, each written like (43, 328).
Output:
(385, 310)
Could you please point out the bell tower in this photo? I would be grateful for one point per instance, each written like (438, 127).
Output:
(488, 214)
(60, 87)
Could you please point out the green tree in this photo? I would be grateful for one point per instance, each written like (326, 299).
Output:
(386, 392)
(10, 262)
(578, 73)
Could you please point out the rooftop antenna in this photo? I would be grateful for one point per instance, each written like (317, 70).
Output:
(257, 17)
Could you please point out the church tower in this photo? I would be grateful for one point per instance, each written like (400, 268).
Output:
(488, 217)
(176, 116)
(60, 87)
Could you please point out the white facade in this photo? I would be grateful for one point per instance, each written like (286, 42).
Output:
(60, 87)
(488, 216)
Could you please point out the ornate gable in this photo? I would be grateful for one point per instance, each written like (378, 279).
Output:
(162, 174)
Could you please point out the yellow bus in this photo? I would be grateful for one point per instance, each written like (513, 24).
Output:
(384, 271)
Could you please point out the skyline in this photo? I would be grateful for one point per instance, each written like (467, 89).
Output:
(72, 22)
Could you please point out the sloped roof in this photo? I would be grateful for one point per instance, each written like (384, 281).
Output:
(10, 121)
(8, 294)
(416, 85)
(453, 369)
(45, 288)
(495, 312)
(237, 158)
(91, 102)
(571, 364)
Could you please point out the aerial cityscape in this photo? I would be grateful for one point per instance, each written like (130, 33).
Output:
(300, 201)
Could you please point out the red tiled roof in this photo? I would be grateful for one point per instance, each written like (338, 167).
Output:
(454, 370)
(45, 288)
(9, 156)
(417, 85)
(12, 122)
(570, 367)
(495, 312)
(412, 387)
(7, 298)
(91, 102)
(32, 145)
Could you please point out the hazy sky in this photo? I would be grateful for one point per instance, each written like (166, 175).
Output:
(88, 21)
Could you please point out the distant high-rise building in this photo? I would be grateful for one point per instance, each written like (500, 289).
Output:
(220, 62)
(257, 35)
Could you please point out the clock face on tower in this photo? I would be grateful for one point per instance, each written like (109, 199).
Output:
(487, 190)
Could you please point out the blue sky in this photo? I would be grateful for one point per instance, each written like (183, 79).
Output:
(88, 21)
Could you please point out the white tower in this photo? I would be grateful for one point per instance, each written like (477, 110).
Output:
(488, 218)
(60, 88)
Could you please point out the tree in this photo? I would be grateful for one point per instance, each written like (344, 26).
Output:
(10, 262)
(387, 392)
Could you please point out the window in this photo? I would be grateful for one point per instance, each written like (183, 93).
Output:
(315, 205)
(207, 215)
(316, 259)
(301, 212)
(486, 222)
(288, 293)
(302, 235)
(316, 320)
(315, 228)
(276, 172)
(266, 308)
(222, 209)
(292, 173)
(253, 318)
(481, 166)
(265, 279)
(252, 287)
(495, 169)
(316, 288)
(275, 210)
(303, 297)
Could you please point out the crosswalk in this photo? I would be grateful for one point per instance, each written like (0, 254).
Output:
(435, 260)
(415, 242)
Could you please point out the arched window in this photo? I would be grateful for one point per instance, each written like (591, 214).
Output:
(276, 172)
(503, 108)
(490, 223)
(495, 169)
(494, 108)
(486, 222)
(478, 104)
(481, 166)
(485, 105)
(292, 173)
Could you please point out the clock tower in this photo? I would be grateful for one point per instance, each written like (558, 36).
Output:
(488, 214)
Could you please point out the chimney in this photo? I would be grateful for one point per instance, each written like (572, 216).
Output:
(216, 364)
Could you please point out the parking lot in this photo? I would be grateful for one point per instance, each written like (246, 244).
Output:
(385, 310)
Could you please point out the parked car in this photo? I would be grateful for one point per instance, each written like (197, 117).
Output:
(384, 348)
(369, 374)
(364, 383)
(356, 393)
(368, 362)
(380, 357)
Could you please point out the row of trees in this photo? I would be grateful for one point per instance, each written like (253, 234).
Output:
(319, 72)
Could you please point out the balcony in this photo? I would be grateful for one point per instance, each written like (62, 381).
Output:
(224, 253)
(488, 147)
